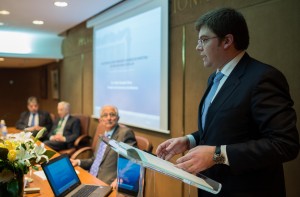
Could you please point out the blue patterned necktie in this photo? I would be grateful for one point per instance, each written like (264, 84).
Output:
(210, 96)
(32, 120)
(96, 164)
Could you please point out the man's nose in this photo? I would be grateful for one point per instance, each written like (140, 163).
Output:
(199, 48)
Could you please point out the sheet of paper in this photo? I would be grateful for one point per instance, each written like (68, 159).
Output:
(168, 168)
(40, 174)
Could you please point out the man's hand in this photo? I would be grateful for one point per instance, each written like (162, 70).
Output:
(114, 184)
(37, 128)
(34, 128)
(197, 159)
(171, 147)
(58, 138)
(74, 162)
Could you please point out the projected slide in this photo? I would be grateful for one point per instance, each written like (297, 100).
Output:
(127, 68)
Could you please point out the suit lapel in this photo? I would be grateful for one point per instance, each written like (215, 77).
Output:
(210, 82)
(228, 87)
(27, 118)
(115, 137)
(41, 118)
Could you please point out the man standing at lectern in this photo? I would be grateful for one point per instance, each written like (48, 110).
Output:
(246, 122)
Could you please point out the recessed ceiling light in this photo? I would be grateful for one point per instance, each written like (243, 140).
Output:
(37, 22)
(1, 59)
(4, 12)
(60, 3)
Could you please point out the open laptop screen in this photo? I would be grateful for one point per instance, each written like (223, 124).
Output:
(61, 175)
(128, 176)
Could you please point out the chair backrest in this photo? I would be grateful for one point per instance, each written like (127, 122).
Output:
(84, 122)
(100, 130)
(143, 143)
(52, 116)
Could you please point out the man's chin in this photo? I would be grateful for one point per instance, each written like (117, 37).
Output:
(109, 127)
(206, 65)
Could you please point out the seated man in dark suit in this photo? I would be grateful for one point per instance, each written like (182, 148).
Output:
(65, 129)
(104, 165)
(34, 119)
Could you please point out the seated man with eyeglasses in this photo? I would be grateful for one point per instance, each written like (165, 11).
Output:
(103, 164)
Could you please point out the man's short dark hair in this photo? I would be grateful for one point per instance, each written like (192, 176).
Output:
(224, 21)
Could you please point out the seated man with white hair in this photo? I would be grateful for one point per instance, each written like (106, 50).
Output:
(65, 129)
(103, 164)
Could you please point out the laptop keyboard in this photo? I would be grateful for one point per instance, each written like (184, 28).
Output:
(85, 191)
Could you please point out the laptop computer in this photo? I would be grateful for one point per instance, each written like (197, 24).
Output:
(130, 177)
(64, 181)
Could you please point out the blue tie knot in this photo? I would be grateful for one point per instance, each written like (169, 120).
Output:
(218, 77)
(107, 135)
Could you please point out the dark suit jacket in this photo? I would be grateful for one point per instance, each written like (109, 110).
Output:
(108, 167)
(44, 120)
(252, 114)
(71, 130)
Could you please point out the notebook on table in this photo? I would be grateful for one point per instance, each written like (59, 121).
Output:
(64, 181)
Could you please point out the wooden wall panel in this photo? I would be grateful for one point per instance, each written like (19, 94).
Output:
(16, 86)
(76, 71)
(87, 108)
(71, 82)
(50, 104)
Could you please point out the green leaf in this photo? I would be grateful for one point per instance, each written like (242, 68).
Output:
(35, 168)
(3, 154)
(13, 187)
(40, 134)
(49, 153)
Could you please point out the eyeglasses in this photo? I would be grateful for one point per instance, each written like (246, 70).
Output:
(203, 41)
(112, 115)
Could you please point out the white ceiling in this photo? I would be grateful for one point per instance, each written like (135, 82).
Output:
(56, 20)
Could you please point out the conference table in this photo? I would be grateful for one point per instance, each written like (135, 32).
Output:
(45, 189)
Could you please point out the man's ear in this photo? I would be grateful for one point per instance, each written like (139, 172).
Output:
(228, 41)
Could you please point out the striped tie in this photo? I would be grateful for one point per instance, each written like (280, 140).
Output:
(96, 164)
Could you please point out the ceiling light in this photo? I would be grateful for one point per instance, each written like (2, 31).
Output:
(37, 22)
(15, 42)
(4, 12)
(60, 3)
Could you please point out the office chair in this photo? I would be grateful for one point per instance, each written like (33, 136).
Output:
(84, 139)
